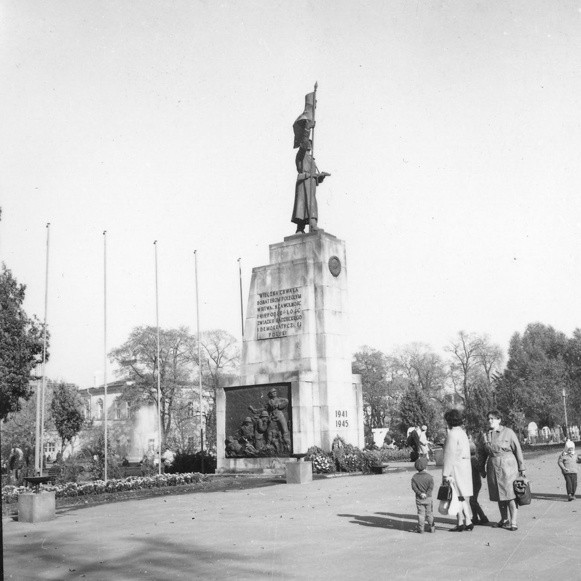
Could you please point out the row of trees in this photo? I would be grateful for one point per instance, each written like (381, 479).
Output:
(414, 385)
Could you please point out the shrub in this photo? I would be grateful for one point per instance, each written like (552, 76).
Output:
(184, 462)
(395, 455)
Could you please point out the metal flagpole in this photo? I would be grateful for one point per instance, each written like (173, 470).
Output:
(43, 389)
(241, 303)
(105, 446)
(199, 361)
(37, 462)
(158, 367)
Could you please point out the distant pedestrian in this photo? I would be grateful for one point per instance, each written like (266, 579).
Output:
(424, 444)
(568, 465)
(423, 486)
(478, 516)
(413, 441)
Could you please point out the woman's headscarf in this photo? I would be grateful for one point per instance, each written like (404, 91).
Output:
(569, 446)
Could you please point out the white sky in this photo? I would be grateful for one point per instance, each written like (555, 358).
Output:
(452, 130)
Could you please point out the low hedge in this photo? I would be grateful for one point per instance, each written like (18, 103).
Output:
(70, 489)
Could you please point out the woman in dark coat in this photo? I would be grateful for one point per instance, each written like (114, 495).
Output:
(502, 462)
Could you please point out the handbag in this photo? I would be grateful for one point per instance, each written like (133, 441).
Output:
(445, 492)
(444, 506)
(522, 491)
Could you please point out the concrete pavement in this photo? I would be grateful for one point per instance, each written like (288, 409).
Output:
(338, 528)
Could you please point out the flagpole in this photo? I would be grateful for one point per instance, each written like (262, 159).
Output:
(241, 303)
(105, 445)
(199, 360)
(37, 462)
(44, 341)
(314, 110)
(158, 366)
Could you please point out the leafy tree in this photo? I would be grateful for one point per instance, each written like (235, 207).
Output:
(94, 451)
(415, 409)
(67, 411)
(21, 345)
(535, 375)
(373, 366)
(422, 367)
(573, 387)
(138, 365)
(19, 428)
(481, 401)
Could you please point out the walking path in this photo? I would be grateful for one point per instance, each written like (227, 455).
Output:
(338, 528)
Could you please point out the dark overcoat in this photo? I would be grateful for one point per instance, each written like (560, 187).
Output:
(305, 206)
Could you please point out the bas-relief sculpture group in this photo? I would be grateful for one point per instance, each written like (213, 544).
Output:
(265, 433)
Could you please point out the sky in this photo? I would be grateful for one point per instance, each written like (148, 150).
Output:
(452, 130)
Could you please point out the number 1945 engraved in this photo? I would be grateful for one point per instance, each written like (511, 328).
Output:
(341, 420)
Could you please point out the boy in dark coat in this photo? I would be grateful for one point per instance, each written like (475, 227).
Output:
(423, 485)
(478, 516)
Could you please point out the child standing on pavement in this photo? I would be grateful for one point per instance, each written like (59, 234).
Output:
(423, 485)
(568, 465)
(478, 516)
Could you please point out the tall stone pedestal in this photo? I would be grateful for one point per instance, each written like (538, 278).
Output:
(296, 340)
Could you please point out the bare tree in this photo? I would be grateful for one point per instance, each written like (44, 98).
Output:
(490, 357)
(464, 351)
(220, 354)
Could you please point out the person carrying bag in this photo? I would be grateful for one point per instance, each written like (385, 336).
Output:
(522, 491)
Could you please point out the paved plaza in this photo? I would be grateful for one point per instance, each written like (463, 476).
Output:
(347, 527)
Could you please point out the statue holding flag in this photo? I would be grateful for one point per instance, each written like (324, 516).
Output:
(305, 209)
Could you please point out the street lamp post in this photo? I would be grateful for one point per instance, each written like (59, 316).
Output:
(565, 408)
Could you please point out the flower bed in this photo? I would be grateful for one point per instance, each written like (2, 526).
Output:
(72, 489)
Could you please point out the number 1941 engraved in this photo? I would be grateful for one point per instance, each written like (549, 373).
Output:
(341, 420)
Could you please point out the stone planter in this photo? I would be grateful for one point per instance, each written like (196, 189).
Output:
(299, 472)
(439, 456)
(36, 506)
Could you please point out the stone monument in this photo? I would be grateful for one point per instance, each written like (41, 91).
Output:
(295, 389)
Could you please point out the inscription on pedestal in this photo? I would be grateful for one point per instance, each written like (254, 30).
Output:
(279, 313)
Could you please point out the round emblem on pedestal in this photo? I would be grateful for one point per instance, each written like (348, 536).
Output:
(335, 265)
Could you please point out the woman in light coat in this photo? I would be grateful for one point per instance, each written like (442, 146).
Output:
(458, 469)
(504, 462)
